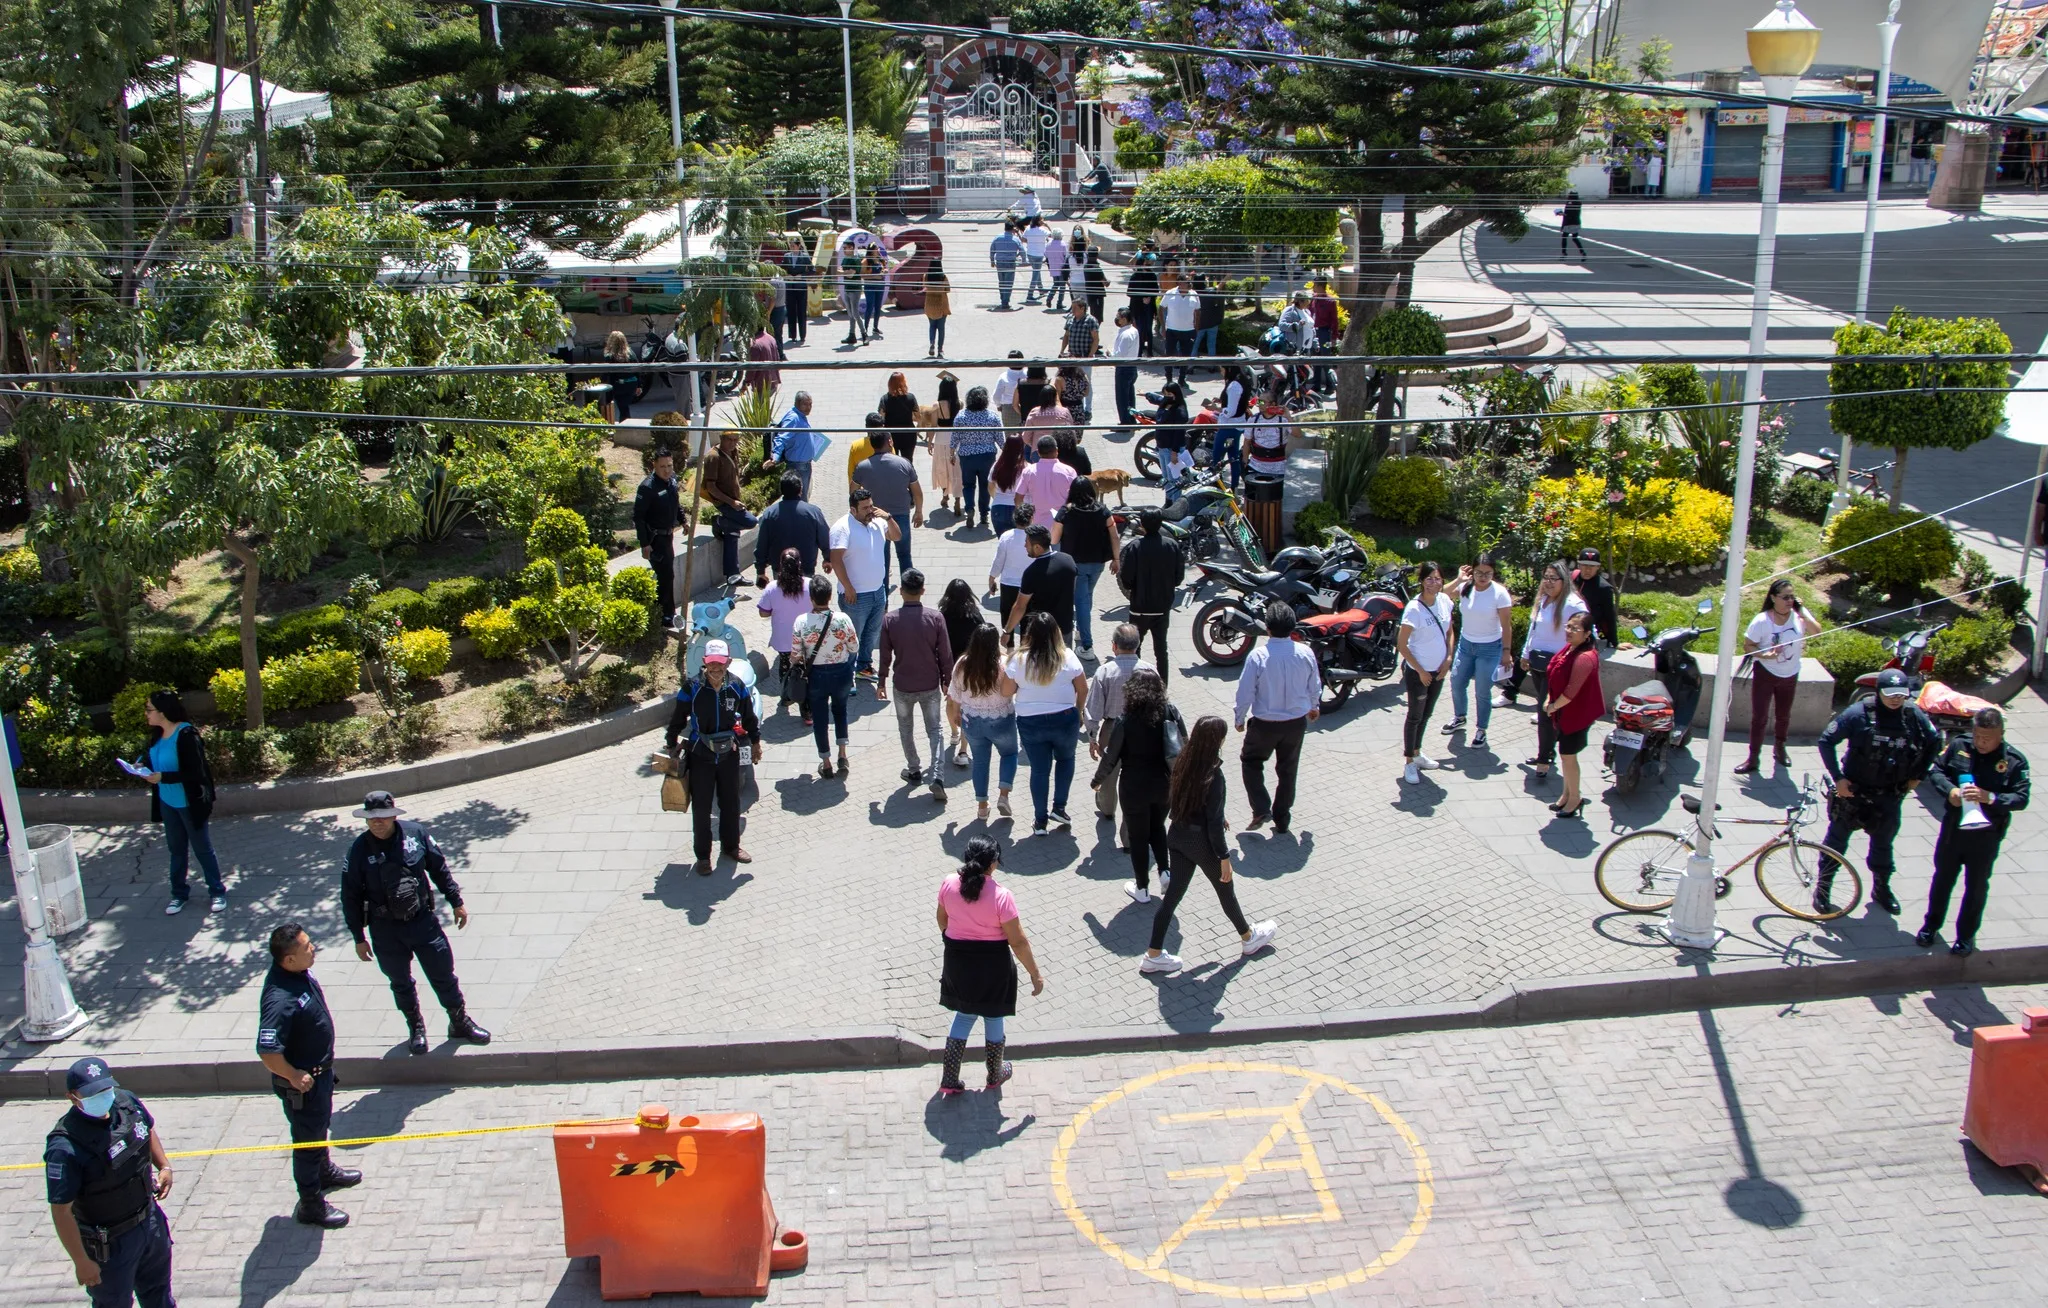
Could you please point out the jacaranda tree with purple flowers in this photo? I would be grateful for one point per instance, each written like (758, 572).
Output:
(1216, 104)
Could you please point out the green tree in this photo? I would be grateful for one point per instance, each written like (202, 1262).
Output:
(1921, 416)
(567, 605)
(780, 77)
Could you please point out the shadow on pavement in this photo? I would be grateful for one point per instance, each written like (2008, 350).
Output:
(679, 887)
(810, 793)
(1128, 932)
(280, 1257)
(1189, 998)
(910, 806)
(1268, 855)
(1754, 1198)
(1990, 1178)
(1962, 1010)
(383, 1111)
(968, 1124)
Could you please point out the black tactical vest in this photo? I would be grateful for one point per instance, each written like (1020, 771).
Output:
(117, 1181)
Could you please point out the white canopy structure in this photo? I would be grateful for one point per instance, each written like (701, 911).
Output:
(237, 111)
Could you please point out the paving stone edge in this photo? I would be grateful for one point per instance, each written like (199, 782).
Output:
(1559, 999)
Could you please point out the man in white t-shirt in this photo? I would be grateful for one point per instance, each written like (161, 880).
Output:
(1035, 234)
(1484, 607)
(1178, 308)
(1124, 349)
(1004, 396)
(860, 559)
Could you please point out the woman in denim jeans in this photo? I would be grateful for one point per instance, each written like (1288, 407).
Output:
(1050, 687)
(1085, 532)
(977, 436)
(181, 796)
(826, 637)
(1485, 628)
(985, 715)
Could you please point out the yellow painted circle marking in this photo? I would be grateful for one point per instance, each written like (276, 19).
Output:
(1289, 1120)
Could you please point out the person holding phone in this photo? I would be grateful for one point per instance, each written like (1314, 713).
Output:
(1777, 637)
(181, 795)
(1425, 646)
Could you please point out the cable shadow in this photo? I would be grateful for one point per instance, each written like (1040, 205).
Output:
(281, 1255)
(1754, 1197)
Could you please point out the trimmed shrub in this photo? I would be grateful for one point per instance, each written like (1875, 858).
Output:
(1408, 489)
(639, 585)
(230, 694)
(238, 755)
(166, 657)
(408, 606)
(220, 648)
(96, 667)
(1847, 655)
(422, 651)
(326, 624)
(1908, 559)
(128, 705)
(496, 633)
(1972, 649)
(1974, 572)
(453, 598)
(1313, 524)
(66, 762)
(1692, 531)
(1806, 497)
(308, 680)
(2009, 597)
(21, 566)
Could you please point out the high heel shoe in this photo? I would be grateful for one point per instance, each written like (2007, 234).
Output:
(1577, 810)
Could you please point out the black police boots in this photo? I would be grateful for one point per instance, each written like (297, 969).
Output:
(1882, 896)
(416, 1037)
(463, 1027)
(339, 1178)
(316, 1211)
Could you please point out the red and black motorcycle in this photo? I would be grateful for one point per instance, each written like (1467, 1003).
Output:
(1358, 644)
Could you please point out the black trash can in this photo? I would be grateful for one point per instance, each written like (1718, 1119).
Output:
(1263, 495)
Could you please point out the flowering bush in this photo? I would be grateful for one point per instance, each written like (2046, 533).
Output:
(1666, 523)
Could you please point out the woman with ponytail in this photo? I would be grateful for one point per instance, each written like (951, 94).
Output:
(978, 919)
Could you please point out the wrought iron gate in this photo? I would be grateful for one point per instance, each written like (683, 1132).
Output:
(1000, 136)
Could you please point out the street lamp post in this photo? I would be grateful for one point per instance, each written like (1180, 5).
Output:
(675, 136)
(846, 61)
(1887, 36)
(690, 403)
(49, 1012)
(1781, 47)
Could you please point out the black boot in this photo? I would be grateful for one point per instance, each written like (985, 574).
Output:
(1882, 896)
(314, 1210)
(416, 1040)
(463, 1027)
(949, 1078)
(339, 1178)
(998, 1070)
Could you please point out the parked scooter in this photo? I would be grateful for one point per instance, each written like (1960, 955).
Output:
(1912, 653)
(1358, 644)
(1656, 716)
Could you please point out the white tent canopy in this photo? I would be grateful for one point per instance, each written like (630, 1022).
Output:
(237, 112)
(1938, 39)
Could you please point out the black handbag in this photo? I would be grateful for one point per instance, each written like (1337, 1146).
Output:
(1175, 735)
(796, 682)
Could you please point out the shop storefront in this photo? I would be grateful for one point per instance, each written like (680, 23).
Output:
(1816, 155)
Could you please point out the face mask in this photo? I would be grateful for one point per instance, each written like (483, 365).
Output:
(98, 1105)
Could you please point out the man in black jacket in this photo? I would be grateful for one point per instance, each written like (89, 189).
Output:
(1598, 594)
(657, 510)
(1980, 775)
(1151, 570)
(713, 720)
(1890, 745)
(384, 888)
(791, 523)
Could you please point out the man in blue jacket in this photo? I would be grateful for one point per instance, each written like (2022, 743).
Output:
(796, 444)
(791, 523)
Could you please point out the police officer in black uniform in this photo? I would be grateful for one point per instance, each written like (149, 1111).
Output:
(384, 888)
(714, 720)
(1999, 787)
(1891, 743)
(97, 1165)
(295, 1040)
(657, 510)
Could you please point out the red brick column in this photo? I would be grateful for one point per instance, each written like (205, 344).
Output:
(1070, 126)
(935, 120)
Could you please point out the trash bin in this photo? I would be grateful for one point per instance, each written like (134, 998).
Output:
(1263, 494)
(57, 870)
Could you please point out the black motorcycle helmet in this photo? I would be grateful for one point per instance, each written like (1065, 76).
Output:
(1298, 558)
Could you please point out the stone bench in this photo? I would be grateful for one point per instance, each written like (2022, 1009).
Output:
(1813, 704)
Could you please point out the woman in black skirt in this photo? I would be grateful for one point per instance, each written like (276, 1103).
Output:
(979, 921)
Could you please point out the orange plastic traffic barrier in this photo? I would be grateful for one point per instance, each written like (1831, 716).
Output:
(2006, 1115)
(671, 1208)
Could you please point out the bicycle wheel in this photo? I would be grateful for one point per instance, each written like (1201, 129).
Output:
(1639, 872)
(1788, 872)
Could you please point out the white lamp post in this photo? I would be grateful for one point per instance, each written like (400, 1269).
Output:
(846, 61)
(1887, 36)
(1781, 47)
(49, 1012)
(675, 136)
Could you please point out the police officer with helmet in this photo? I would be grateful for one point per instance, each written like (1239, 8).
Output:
(103, 1200)
(1890, 744)
(295, 1040)
(1984, 781)
(385, 891)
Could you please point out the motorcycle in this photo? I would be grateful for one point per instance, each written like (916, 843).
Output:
(1311, 581)
(1656, 716)
(1208, 516)
(663, 353)
(1911, 653)
(1358, 644)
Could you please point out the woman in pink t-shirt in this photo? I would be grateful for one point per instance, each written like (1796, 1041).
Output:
(981, 928)
(782, 604)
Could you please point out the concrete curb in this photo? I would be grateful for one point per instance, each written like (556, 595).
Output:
(858, 1048)
(91, 807)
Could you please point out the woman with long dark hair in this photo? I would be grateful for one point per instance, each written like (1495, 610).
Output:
(1084, 530)
(984, 716)
(1777, 636)
(1002, 480)
(1145, 741)
(978, 920)
(783, 603)
(961, 608)
(1196, 837)
(1424, 647)
(1575, 704)
(826, 638)
(181, 796)
(1553, 606)
(945, 464)
(1050, 687)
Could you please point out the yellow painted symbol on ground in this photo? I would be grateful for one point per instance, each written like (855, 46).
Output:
(1287, 1125)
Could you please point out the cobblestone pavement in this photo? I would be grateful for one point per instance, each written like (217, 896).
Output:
(587, 922)
(1694, 1158)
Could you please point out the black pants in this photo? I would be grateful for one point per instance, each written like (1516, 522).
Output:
(1145, 829)
(1546, 726)
(1281, 742)
(396, 944)
(1143, 309)
(1095, 302)
(1879, 816)
(1421, 703)
(308, 1115)
(138, 1267)
(1156, 624)
(714, 775)
(1970, 853)
(1184, 865)
(1566, 238)
(799, 326)
(661, 556)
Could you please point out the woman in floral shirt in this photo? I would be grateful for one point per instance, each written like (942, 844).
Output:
(977, 435)
(825, 638)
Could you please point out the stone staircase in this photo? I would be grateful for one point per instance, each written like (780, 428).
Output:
(1482, 322)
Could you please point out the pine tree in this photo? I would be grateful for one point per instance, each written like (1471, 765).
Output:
(787, 76)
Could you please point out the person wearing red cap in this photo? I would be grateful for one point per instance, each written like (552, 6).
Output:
(717, 714)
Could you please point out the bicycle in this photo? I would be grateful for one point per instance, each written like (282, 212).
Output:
(1639, 872)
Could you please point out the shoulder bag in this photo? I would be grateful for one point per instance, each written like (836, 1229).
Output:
(1174, 732)
(796, 686)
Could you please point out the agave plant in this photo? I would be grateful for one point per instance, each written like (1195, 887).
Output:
(443, 506)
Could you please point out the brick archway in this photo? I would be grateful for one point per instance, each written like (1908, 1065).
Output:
(955, 71)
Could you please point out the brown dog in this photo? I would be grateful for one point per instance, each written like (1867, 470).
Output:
(1111, 481)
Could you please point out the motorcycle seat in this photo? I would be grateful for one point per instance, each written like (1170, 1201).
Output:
(1691, 804)
(1263, 578)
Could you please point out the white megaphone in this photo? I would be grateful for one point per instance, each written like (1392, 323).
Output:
(1974, 818)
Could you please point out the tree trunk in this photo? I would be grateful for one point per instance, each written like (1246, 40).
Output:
(252, 660)
(1899, 453)
(127, 175)
(259, 127)
(176, 212)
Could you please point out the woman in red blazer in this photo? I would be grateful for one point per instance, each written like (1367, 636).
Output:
(1575, 705)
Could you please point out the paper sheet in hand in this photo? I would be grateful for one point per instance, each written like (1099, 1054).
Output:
(131, 769)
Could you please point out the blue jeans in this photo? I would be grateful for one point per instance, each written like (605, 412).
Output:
(935, 333)
(871, 308)
(1126, 395)
(1048, 741)
(866, 610)
(974, 470)
(902, 549)
(1037, 286)
(963, 1026)
(1206, 339)
(1474, 659)
(983, 735)
(1228, 440)
(1056, 298)
(1085, 577)
(802, 472)
(185, 834)
(1002, 517)
(1006, 281)
(831, 685)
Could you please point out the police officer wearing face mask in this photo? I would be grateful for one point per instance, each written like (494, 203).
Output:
(295, 1040)
(1890, 745)
(384, 890)
(1977, 775)
(103, 1200)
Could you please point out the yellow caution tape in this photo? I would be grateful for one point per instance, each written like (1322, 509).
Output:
(362, 1140)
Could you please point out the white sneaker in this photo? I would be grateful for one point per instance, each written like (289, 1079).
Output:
(219, 902)
(1138, 894)
(1426, 763)
(174, 908)
(1411, 775)
(1163, 963)
(1261, 936)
